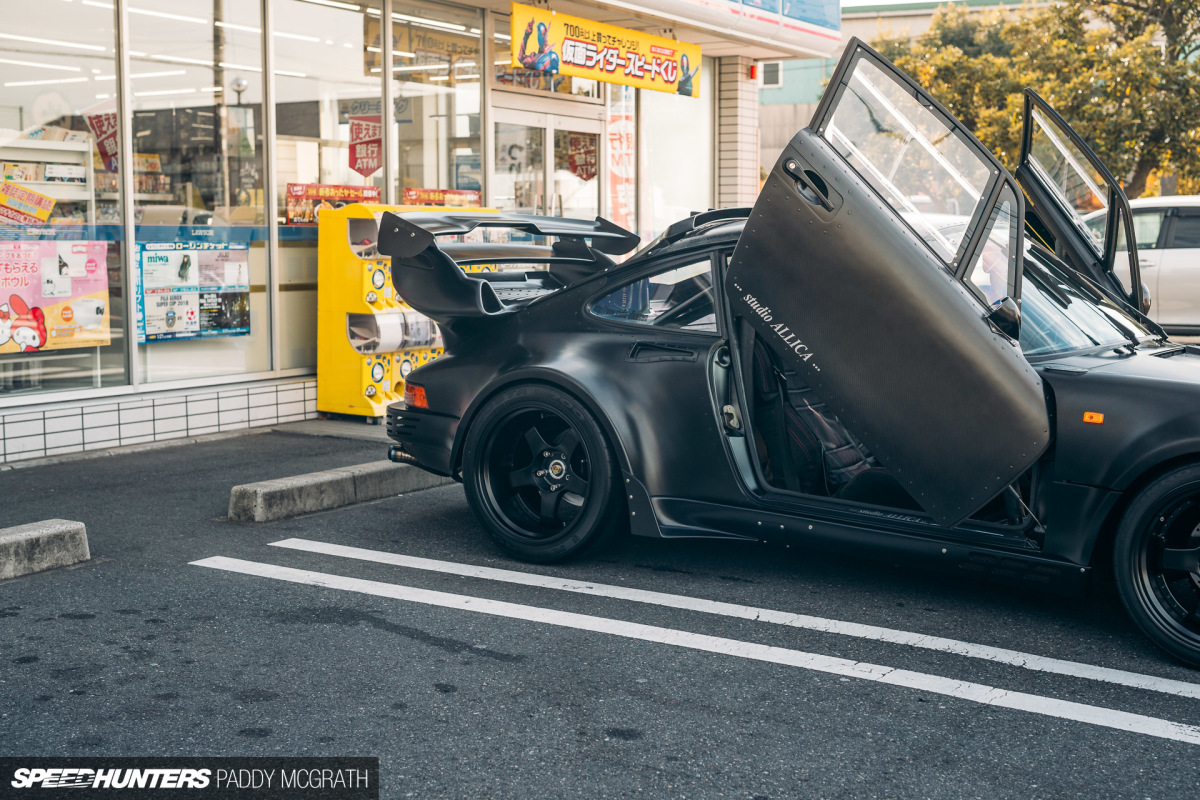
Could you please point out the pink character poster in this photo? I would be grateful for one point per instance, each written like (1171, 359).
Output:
(53, 295)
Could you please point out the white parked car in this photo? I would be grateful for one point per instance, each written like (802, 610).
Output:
(1167, 230)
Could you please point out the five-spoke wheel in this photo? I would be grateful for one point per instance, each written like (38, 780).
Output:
(540, 475)
(1157, 562)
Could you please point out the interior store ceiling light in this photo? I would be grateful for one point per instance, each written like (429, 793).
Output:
(421, 67)
(336, 4)
(227, 65)
(45, 83)
(38, 64)
(161, 92)
(172, 59)
(291, 74)
(164, 74)
(430, 23)
(55, 42)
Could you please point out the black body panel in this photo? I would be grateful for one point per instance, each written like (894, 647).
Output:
(895, 345)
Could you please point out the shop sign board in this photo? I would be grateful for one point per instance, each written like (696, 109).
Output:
(402, 108)
(22, 206)
(457, 198)
(306, 200)
(545, 41)
(366, 144)
(192, 290)
(53, 295)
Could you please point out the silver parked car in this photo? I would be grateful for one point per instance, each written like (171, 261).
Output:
(1167, 230)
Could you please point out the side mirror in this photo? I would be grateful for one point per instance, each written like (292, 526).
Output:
(1146, 300)
(1005, 317)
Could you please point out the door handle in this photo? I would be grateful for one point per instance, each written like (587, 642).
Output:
(656, 351)
(812, 186)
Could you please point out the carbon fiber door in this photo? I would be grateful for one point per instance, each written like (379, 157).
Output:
(882, 240)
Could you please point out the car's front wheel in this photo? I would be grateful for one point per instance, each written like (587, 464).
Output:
(540, 476)
(1156, 561)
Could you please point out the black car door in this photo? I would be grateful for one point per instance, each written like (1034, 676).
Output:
(1067, 186)
(882, 260)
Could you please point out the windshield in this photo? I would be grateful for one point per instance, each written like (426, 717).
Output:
(1060, 314)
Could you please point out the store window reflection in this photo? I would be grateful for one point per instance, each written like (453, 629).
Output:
(436, 58)
(679, 166)
(328, 147)
(200, 264)
(62, 322)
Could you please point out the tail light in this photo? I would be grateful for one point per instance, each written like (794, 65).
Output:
(414, 395)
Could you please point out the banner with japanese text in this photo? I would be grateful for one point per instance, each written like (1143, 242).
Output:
(305, 201)
(366, 145)
(545, 41)
(53, 295)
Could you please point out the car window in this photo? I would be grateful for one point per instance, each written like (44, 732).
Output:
(1146, 227)
(679, 297)
(1059, 315)
(1066, 171)
(909, 154)
(1185, 233)
(989, 273)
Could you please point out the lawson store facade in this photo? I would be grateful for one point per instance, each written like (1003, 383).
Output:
(163, 163)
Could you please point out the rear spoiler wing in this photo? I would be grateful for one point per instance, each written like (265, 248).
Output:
(428, 276)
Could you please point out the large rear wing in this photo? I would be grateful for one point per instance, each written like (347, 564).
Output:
(429, 274)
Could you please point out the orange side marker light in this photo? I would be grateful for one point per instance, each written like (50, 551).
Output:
(1093, 417)
(414, 395)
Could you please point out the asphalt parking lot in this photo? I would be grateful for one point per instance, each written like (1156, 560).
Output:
(657, 669)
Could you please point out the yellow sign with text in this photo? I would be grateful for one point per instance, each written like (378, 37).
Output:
(548, 42)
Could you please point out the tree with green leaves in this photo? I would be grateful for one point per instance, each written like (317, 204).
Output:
(1125, 74)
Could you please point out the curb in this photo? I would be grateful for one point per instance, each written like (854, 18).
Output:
(317, 491)
(39, 546)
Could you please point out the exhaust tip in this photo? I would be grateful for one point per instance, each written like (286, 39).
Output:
(397, 455)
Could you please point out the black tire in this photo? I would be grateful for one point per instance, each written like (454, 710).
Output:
(540, 476)
(1155, 562)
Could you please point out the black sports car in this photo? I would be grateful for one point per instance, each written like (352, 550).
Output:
(901, 347)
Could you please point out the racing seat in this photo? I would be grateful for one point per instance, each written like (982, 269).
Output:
(808, 448)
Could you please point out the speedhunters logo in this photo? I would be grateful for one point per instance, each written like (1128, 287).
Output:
(257, 778)
(76, 778)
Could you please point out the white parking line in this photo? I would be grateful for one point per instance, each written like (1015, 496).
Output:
(935, 684)
(999, 655)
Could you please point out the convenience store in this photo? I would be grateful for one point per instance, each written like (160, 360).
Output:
(163, 163)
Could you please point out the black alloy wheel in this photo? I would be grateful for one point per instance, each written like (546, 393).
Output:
(1157, 562)
(540, 476)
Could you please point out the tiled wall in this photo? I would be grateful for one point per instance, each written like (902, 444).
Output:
(58, 429)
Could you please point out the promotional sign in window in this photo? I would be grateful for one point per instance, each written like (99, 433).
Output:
(366, 145)
(190, 290)
(53, 296)
(559, 43)
(305, 201)
(23, 206)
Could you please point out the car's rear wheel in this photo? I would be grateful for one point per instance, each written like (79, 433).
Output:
(1156, 562)
(540, 476)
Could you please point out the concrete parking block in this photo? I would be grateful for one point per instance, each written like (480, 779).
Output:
(39, 546)
(317, 491)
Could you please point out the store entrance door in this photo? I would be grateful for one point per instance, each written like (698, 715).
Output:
(546, 164)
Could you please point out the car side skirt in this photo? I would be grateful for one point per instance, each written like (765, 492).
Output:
(678, 518)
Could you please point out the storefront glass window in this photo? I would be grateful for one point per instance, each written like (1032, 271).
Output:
(677, 154)
(328, 148)
(526, 45)
(200, 257)
(436, 58)
(62, 293)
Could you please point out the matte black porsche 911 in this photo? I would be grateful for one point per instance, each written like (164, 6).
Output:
(877, 355)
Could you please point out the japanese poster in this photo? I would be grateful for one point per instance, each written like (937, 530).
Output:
(305, 201)
(103, 125)
(189, 290)
(558, 43)
(458, 198)
(22, 206)
(53, 295)
(366, 145)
